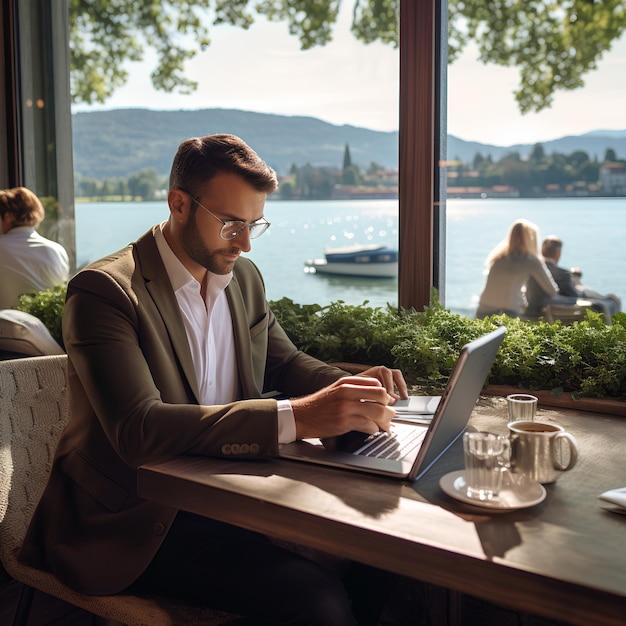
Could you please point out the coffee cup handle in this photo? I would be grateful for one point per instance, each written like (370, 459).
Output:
(573, 451)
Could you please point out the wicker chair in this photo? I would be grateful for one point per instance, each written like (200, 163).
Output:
(33, 411)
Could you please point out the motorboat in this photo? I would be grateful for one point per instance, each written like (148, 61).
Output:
(371, 260)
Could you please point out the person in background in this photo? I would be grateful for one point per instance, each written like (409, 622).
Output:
(172, 350)
(28, 261)
(568, 282)
(511, 264)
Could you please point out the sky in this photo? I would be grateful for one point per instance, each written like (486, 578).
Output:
(347, 82)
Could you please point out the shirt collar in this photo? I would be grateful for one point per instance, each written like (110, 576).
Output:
(21, 230)
(179, 275)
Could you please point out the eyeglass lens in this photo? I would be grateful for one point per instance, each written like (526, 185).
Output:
(231, 229)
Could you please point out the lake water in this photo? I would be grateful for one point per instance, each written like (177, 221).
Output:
(593, 231)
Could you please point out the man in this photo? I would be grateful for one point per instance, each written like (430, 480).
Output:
(28, 261)
(171, 346)
(569, 290)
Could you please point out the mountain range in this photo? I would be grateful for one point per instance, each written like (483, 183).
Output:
(120, 142)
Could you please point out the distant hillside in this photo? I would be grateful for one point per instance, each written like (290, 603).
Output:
(123, 141)
(119, 142)
(595, 144)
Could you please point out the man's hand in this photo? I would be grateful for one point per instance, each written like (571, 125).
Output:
(351, 403)
(392, 380)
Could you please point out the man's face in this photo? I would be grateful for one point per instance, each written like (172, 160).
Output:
(228, 197)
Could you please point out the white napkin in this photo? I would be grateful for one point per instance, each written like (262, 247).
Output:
(615, 496)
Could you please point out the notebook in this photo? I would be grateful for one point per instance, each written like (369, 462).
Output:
(428, 442)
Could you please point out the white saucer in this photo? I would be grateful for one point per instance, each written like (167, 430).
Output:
(518, 492)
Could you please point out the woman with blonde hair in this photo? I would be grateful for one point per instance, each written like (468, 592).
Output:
(28, 261)
(511, 263)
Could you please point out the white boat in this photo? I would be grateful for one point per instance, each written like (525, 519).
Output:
(372, 261)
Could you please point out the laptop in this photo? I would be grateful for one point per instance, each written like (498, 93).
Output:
(384, 453)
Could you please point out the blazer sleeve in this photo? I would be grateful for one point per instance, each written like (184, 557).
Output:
(563, 279)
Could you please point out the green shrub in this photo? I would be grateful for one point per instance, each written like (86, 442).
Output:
(587, 358)
(48, 307)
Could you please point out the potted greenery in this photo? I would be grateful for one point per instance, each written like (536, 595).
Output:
(581, 365)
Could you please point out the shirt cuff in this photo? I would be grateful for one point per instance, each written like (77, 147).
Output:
(286, 422)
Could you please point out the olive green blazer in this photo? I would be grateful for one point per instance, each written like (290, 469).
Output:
(134, 400)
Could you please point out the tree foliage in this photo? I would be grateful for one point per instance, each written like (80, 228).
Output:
(554, 44)
(106, 34)
(540, 175)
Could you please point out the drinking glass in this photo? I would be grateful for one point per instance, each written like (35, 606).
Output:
(522, 406)
(486, 458)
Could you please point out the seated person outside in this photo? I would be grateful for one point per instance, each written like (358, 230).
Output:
(570, 289)
(610, 302)
(512, 263)
(28, 261)
(171, 346)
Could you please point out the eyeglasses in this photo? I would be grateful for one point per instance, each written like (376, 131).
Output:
(232, 228)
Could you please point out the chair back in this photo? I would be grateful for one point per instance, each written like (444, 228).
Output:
(23, 335)
(34, 408)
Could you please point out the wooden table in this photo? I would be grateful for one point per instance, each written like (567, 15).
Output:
(563, 559)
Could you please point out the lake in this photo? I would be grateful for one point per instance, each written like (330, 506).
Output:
(593, 231)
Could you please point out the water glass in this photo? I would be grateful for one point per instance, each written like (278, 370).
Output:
(486, 458)
(522, 407)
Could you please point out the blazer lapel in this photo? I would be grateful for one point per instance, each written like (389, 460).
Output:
(159, 287)
(241, 333)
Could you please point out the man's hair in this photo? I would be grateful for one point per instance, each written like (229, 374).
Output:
(23, 205)
(200, 159)
(551, 246)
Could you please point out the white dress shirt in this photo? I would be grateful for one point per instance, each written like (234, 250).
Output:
(209, 329)
(29, 263)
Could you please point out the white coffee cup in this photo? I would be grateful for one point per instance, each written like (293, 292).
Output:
(536, 450)
(485, 460)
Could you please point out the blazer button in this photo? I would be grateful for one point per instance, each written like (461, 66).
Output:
(226, 449)
(159, 528)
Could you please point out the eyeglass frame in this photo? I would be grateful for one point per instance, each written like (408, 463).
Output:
(226, 223)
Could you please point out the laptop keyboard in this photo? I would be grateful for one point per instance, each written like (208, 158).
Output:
(393, 445)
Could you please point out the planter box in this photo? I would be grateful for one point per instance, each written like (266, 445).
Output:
(546, 399)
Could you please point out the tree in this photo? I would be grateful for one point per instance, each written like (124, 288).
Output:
(554, 44)
(351, 175)
(538, 153)
(144, 183)
(375, 167)
(347, 159)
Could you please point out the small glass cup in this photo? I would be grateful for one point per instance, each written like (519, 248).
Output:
(522, 407)
(486, 459)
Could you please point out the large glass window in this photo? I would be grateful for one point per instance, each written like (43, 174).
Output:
(553, 167)
(326, 119)
(364, 94)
